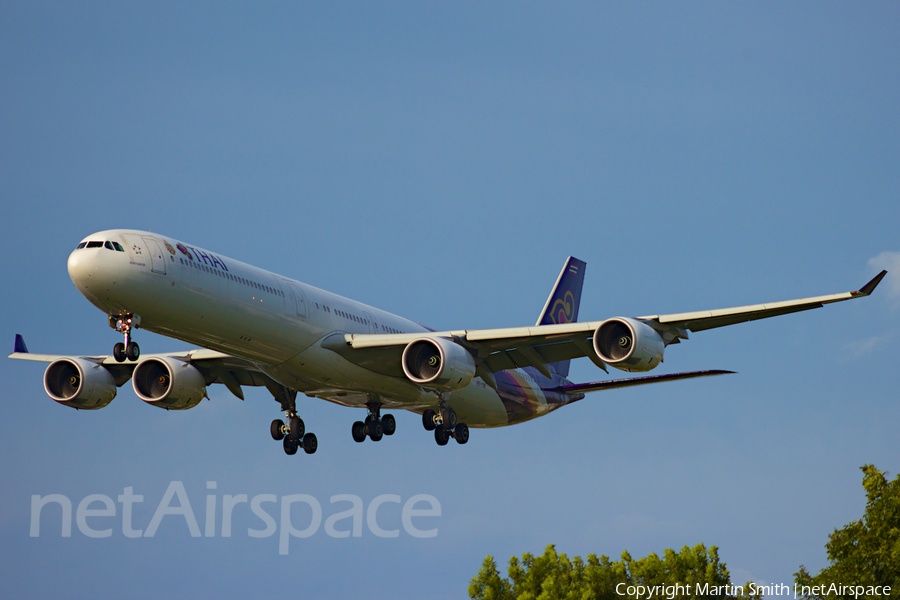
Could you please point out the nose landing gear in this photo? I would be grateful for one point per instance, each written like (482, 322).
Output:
(124, 324)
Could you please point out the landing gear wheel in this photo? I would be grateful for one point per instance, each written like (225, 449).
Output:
(428, 420)
(297, 429)
(359, 432)
(290, 446)
(461, 433)
(119, 352)
(389, 424)
(449, 417)
(375, 430)
(310, 443)
(132, 351)
(277, 430)
(441, 435)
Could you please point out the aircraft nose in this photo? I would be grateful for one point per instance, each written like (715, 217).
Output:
(82, 265)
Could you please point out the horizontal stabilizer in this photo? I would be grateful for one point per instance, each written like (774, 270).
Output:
(580, 388)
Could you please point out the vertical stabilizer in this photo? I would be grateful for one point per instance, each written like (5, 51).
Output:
(562, 305)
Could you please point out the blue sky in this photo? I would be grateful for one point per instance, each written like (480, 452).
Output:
(441, 162)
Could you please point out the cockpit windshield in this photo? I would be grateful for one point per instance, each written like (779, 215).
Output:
(109, 245)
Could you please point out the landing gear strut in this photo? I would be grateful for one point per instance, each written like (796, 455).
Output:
(375, 425)
(292, 434)
(124, 324)
(444, 423)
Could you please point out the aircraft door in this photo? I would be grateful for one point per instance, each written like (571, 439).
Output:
(299, 300)
(157, 260)
(373, 325)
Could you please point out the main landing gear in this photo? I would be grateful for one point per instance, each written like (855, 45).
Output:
(444, 424)
(292, 434)
(124, 324)
(375, 425)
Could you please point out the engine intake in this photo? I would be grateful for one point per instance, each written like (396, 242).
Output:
(628, 344)
(438, 363)
(168, 383)
(79, 383)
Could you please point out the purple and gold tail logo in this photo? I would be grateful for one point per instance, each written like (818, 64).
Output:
(562, 309)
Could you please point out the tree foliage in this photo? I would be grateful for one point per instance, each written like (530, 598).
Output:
(865, 552)
(553, 576)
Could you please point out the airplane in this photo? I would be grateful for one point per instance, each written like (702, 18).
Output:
(258, 328)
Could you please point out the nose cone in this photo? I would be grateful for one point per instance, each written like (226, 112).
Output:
(93, 271)
(82, 267)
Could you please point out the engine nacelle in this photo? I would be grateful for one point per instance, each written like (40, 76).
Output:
(437, 363)
(168, 383)
(79, 383)
(628, 344)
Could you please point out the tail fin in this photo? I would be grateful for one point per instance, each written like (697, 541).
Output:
(562, 305)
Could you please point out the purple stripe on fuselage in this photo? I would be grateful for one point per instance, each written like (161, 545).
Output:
(522, 402)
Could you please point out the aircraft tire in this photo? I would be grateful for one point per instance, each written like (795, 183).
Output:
(359, 432)
(389, 424)
(297, 429)
(290, 446)
(132, 351)
(461, 433)
(119, 352)
(441, 435)
(310, 443)
(449, 417)
(375, 430)
(277, 430)
(428, 420)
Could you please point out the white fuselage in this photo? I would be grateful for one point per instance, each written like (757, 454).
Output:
(282, 325)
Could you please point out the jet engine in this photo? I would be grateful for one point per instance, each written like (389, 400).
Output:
(79, 383)
(438, 363)
(628, 344)
(168, 383)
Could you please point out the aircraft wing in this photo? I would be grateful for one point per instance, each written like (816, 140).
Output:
(216, 367)
(710, 319)
(537, 346)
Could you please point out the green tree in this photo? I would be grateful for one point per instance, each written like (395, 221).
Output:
(865, 552)
(553, 576)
